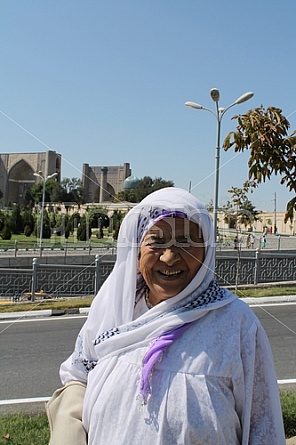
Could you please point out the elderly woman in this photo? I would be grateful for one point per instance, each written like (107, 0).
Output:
(166, 355)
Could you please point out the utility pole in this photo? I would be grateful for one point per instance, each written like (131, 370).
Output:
(274, 223)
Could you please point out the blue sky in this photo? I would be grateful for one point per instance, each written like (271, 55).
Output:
(105, 82)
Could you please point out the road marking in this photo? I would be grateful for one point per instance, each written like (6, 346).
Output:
(286, 381)
(52, 318)
(29, 400)
(285, 303)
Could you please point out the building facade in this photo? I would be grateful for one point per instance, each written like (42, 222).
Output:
(101, 184)
(17, 172)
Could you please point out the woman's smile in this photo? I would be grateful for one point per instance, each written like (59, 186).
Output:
(170, 273)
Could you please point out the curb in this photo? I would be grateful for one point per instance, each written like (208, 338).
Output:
(43, 313)
(270, 300)
(84, 310)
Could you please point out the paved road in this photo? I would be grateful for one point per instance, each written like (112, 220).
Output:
(32, 350)
(279, 323)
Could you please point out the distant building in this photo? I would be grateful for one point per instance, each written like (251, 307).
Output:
(101, 184)
(16, 172)
(266, 223)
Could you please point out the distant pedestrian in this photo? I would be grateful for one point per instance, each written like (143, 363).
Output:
(263, 241)
(248, 241)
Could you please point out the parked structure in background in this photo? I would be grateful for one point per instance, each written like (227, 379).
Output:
(17, 172)
(102, 183)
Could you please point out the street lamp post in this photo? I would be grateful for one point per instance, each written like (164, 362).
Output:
(44, 179)
(220, 111)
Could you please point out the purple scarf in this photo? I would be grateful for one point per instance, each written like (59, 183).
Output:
(154, 354)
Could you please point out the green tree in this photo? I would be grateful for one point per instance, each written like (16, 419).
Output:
(210, 206)
(55, 191)
(98, 218)
(84, 230)
(29, 199)
(2, 219)
(6, 232)
(129, 195)
(46, 226)
(74, 190)
(27, 230)
(28, 220)
(272, 151)
(117, 218)
(240, 209)
(16, 223)
(36, 192)
(74, 221)
(144, 187)
(46, 232)
(60, 224)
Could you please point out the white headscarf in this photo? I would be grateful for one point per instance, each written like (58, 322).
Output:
(114, 304)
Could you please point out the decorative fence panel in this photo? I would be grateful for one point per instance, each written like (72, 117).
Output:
(229, 270)
(57, 280)
(14, 282)
(63, 280)
(277, 268)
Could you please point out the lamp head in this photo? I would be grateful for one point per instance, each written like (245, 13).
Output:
(194, 105)
(244, 98)
(39, 174)
(215, 95)
(52, 175)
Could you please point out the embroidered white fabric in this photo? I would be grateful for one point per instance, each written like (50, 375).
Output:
(215, 385)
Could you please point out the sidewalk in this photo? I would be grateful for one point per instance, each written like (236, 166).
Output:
(43, 313)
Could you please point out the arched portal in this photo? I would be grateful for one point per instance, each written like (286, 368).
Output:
(20, 179)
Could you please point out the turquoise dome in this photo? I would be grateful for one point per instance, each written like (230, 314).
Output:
(130, 182)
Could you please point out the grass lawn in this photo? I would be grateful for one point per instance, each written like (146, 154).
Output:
(46, 304)
(32, 242)
(23, 429)
(262, 291)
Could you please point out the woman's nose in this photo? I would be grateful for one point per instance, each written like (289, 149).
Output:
(170, 256)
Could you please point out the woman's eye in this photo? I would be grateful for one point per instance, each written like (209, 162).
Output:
(183, 242)
(153, 242)
(156, 244)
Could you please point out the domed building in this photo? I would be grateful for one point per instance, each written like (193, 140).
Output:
(130, 182)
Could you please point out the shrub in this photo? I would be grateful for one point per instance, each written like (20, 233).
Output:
(27, 231)
(6, 232)
(82, 232)
(288, 403)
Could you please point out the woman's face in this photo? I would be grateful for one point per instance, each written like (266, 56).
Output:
(171, 253)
